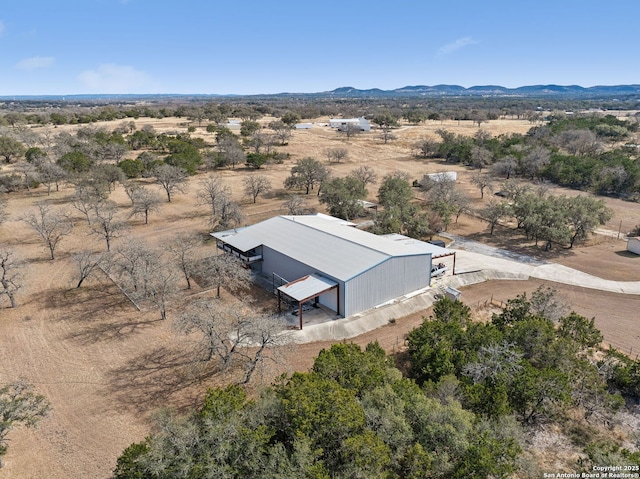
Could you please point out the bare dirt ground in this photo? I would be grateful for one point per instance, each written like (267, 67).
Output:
(107, 368)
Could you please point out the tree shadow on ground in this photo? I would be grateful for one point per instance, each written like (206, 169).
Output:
(514, 240)
(160, 377)
(85, 303)
(119, 330)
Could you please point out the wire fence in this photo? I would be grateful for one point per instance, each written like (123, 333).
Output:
(490, 302)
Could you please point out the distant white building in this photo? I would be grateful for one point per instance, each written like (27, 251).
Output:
(303, 126)
(443, 175)
(633, 245)
(342, 122)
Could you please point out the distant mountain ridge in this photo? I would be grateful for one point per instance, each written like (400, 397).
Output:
(493, 90)
(531, 91)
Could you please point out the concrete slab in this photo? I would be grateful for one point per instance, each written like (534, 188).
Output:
(471, 268)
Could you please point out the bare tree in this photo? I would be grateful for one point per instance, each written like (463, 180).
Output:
(479, 117)
(106, 223)
(460, 202)
(233, 336)
(548, 303)
(146, 275)
(336, 155)
(365, 174)
(535, 161)
(10, 276)
(281, 131)
(145, 202)
(181, 248)
(482, 181)
(255, 185)
(114, 151)
(86, 263)
(579, 142)
(265, 338)
(295, 205)
(87, 200)
(223, 270)
(19, 405)
(51, 225)
(29, 173)
(171, 178)
(506, 167)
(50, 174)
(480, 157)
(229, 214)
(210, 191)
(130, 188)
(437, 187)
(386, 133)
(160, 286)
(108, 174)
(232, 152)
(130, 261)
(349, 130)
(494, 360)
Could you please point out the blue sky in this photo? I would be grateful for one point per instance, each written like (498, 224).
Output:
(62, 47)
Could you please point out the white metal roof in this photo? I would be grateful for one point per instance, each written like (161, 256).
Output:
(328, 246)
(307, 287)
(435, 250)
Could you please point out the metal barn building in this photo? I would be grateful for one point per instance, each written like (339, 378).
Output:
(346, 269)
(339, 123)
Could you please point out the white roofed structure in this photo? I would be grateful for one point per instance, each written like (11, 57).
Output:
(368, 269)
(361, 123)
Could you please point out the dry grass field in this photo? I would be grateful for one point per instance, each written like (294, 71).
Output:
(107, 368)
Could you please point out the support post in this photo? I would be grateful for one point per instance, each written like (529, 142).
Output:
(279, 305)
(300, 313)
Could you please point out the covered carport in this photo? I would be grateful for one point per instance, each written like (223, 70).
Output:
(306, 288)
(435, 250)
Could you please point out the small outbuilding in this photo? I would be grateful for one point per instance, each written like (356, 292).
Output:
(452, 293)
(633, 245)
(443, 176)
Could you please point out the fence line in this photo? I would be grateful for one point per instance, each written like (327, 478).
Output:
(491, 302)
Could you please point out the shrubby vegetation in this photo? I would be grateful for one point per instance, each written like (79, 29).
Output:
(572, 152)
(19, 406)
(474, 392)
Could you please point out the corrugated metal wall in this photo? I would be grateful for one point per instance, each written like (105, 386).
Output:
(290, 269)
(395, 277)
(276, 262)
(391, 279)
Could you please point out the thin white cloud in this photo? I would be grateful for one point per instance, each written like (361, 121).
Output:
(456, 45)
(112, 78)
(35, 63)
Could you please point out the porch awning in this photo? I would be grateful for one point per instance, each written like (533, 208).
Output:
(307, 287)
